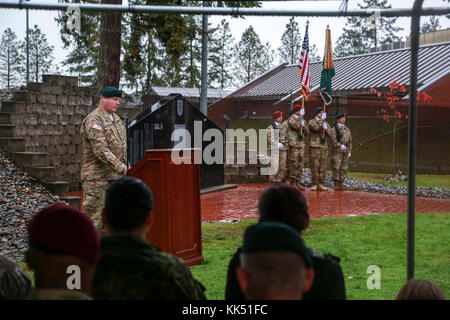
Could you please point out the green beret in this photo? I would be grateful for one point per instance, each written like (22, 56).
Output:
(109, 92)
(275, 236)
(318, 110)
(340, 115)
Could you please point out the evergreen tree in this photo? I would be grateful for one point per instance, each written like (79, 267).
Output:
(252, 57)
(220, 56)
(360, 34)
(431, 25)
(10, 60)
(314, 53)
(84, 43)
(40, 53)
(194, 51)
(291, 43)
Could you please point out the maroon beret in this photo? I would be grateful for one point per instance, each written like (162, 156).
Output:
(276, 114)
(296, 107)
(64, 229)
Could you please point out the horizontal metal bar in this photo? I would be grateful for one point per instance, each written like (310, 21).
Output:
(401, 12)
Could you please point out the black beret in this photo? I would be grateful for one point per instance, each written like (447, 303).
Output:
(340, 115)
(109, 92)
(275, 236)
(318, 110)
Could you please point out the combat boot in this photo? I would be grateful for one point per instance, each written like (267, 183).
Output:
(314, 187)
(337, 185)
(322, 188)
(299, 186)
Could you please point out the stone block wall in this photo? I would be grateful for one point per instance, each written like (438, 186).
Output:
(49, 115)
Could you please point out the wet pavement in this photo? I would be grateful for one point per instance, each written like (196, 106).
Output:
(242, 203)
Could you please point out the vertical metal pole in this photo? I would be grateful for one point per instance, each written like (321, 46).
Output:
(412, 137)
(204, 89)
(28, 53)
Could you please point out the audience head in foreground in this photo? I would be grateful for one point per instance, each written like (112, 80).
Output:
(14, 282)
(128, 204)
(417, 289)
(130, 267)
(284, 203)
(275, 264)
(63, 252)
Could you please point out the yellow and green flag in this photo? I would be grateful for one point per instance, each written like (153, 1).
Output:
(328, 70)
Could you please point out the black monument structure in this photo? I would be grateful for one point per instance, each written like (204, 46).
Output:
(152, 129)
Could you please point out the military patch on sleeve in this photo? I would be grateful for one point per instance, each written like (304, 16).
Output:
(96, 126)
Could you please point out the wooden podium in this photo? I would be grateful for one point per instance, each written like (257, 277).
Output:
(176, 225)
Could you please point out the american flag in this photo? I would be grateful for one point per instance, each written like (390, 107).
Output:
(304, 65)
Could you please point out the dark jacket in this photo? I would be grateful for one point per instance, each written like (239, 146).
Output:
(130, 268)
(328, 279)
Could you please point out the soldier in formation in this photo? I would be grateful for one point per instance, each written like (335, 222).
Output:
(318, 149)
(296, 129)
(341, 139)
(277, 139)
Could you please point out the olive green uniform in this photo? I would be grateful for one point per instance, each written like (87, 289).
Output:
(318, 150)
(130, 268)
(339, 154)
(297, 130)
(57, 294)
(104, 159)
(277, 139)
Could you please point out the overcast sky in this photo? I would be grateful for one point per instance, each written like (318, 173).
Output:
(269, 29)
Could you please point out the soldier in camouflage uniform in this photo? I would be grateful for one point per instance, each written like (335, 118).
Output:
(131, 268)
(277, 139)
(297, 130)
(341, 139)
(318, 149)
(104, 152)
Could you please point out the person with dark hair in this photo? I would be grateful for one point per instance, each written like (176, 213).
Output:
(286, 204)
(296, 131)
(14, 282)
(276, 139)
(130, 267)
(318, 149)
(63, 252)
(275, 264)
(417, 289)
(341, 151)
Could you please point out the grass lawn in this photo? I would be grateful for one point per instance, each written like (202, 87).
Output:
(422, 180)
(359, 242)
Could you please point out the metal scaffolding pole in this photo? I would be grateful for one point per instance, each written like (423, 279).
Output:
(412, 137)
(204, 89)
(400, 12)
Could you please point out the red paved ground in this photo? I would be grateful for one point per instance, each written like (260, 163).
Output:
(241, 203)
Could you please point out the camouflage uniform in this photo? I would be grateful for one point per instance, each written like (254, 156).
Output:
(57, 294)
(104, 159)
(130, 268)
(318, 150)
(297, 130)
(272, 141)
(339, 157)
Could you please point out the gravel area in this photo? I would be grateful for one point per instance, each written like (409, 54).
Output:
(353, 184)
(20, 197)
